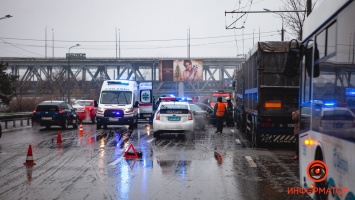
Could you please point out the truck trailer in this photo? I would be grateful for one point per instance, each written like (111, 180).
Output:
(264, 97)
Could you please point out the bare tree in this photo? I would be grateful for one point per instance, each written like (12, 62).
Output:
(294, 20)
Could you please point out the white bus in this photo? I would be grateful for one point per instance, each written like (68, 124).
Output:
(327, 119)
(146, 101)
(118, 104)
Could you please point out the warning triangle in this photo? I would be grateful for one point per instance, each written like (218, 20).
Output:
(130, 155)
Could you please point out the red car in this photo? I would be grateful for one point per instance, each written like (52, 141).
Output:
(86, 110)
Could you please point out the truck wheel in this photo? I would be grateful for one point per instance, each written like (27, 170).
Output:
(254, 137)
(98, 126)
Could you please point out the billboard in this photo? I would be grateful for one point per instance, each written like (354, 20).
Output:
(181, 70)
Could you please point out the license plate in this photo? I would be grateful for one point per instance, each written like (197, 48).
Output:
(174, 118)
(339, 125)
(46, 118)
(146, 115)
(111, 119)
(290, 125)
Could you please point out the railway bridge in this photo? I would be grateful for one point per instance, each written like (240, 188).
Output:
(82, 77)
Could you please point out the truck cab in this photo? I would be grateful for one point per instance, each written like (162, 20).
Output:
(217, 94)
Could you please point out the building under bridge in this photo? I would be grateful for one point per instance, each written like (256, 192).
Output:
(81, 77)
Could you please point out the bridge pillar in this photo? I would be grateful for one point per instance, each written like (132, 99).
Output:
(181, 89)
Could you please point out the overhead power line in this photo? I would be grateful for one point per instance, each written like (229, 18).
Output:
(113, 41)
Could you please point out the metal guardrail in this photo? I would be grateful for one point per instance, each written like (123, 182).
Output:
(11, 121)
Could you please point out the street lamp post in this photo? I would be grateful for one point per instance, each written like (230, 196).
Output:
(282, 28)
(69, 70)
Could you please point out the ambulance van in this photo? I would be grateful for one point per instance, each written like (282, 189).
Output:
(118, 104)
(146, 102)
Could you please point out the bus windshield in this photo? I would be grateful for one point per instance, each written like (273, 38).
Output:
(116, 97)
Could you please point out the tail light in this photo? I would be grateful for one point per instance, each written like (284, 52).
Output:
(190, 115)
(274, 105)
(34, 112)
(268, 123)
(61, 111)
(157, 117)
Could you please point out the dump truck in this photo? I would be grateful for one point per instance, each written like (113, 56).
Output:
(263, 96)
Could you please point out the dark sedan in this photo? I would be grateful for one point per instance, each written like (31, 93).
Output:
(209, 110)
(201, 116)
(55, 113)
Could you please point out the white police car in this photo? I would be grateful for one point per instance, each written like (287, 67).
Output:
(173, 117)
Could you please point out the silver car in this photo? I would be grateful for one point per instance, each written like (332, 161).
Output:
(336, 119)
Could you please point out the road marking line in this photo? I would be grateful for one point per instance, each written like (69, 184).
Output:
(150, 140)
(116, 161)
(250, 161)
(238, 141)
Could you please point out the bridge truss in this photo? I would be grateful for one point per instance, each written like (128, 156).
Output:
(82, 78)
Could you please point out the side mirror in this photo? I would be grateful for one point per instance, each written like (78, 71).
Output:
(95, 104)
(293, 60)
(310, 59)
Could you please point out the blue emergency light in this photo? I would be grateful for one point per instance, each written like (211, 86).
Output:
(117, 83)
(350, 92)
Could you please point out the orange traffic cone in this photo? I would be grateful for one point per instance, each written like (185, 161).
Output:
(29, 159)
(59, 138)
(81, 130)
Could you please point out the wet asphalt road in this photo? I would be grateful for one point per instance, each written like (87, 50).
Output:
(92, 166)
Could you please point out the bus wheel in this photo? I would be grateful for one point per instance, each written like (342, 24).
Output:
(323, 184)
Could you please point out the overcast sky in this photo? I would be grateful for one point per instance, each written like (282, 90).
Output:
(145, 28)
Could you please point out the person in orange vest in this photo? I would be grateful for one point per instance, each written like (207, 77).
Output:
(219, 112)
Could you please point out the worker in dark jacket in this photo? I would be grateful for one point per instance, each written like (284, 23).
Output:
(229, 114)
(219, 112)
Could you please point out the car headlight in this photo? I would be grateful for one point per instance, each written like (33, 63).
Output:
(74, 115)
(100, 109)
(128, 109)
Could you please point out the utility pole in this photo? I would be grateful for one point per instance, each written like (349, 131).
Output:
(52, 43)
(282, 27)
(69, 70)
(45, 43)
(188, 43)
